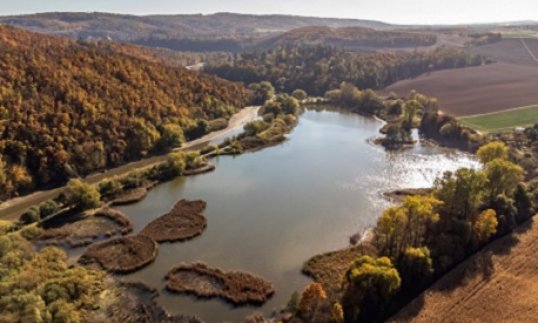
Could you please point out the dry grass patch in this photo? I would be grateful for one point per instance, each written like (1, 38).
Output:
(329, 268)
(204, 281)
(184, 221)
(104, 223)
(121, 255)
(130, 196)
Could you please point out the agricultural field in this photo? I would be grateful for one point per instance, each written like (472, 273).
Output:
(508, 83)
(497, 284)
(504, 120)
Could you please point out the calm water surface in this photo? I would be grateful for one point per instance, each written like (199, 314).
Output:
(271, 210)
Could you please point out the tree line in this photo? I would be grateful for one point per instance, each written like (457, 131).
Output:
(422, 238)
(317, 69)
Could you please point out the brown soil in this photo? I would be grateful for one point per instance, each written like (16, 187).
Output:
(476, 90)
(121, 255)
(233, 286)
(328, 269)
(200, 170)
(130, 196)
(104, 223)
(498, 284)
(184, 221)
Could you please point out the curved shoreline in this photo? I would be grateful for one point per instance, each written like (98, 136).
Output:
(11, 209)
(103, 224)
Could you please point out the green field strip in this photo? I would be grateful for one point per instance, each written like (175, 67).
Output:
(503, 120)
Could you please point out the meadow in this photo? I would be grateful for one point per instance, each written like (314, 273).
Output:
(503, 120)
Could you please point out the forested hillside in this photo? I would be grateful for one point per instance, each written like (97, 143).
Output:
(68, 108)
(318, 69)
(349, 38)
(97, 25)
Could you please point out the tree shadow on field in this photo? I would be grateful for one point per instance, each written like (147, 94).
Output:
(480, 264)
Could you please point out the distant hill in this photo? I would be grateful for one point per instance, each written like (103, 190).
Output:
(216, 32)
(72, 107)
(129, 27)
(349, 37)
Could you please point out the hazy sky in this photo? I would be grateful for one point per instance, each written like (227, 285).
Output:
(396, 11)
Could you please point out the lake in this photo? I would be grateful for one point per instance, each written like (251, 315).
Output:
(271, 210)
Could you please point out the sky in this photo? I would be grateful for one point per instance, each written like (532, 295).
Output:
(394, 11)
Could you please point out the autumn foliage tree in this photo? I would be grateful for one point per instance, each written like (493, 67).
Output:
(491, 151)
(406, 226)
(83, 195)
(368, 286)
(68, 108)
(311, 301)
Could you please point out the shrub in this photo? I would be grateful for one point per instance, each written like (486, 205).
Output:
(299, 94)
(31, 232)
(31, 215)
(485, 225)
(415, 268)
(491, 151)
(176, 162)
(48, 207)
(193, 160)
(523, 203)
(218, 124)
(209, 149)
(254, 127)
(110, 187)
(83, 195)
(171, 136)
(235, 148)
(311, 297)
(5, 245)
(396, 107)
(268, 117)
(133, 180)
(369, 284)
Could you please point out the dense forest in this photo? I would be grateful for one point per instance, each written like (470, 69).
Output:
(318, 69)
(349, 37)
(128, 28)
(68, 108)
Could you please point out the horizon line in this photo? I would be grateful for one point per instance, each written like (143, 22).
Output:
(272, 14)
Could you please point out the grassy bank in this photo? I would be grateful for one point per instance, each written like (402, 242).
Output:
(504, 120)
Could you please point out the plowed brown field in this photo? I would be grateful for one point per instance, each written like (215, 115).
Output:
(509, 83)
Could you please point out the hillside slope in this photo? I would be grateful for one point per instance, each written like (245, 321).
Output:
(349, 37)
(129, 27)
(498, 284)
(70, 108)
(215, 32)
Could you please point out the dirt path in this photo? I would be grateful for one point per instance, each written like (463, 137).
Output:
(496, 285)
(11, 209)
